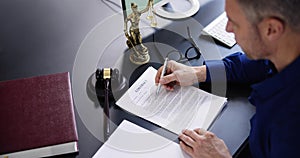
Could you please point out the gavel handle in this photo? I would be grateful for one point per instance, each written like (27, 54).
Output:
(106, 108)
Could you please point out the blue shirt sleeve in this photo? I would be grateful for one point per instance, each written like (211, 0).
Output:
(239, 69)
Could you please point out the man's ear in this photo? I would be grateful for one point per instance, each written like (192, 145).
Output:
(271, 28)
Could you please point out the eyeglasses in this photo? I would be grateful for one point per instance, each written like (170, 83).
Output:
(193, 52)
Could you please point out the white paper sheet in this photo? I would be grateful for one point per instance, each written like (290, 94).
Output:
(184, 108)
(132, 141)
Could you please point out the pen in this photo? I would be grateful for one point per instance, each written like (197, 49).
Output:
(162, 74)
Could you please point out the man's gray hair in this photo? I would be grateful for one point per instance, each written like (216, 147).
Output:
(288, 11)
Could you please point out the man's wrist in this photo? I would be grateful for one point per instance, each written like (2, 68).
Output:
(201, 73)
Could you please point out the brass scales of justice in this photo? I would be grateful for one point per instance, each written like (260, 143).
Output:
(139, 53)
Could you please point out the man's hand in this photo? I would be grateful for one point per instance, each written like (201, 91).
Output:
(180, 74)
(200, 143)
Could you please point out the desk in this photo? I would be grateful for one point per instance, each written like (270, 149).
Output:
(44, 37)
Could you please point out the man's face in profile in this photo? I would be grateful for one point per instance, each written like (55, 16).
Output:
(246, 34)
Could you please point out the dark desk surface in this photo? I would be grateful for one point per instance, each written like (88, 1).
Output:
(51, 36)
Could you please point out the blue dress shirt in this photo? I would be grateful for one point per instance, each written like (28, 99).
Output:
(275, 128)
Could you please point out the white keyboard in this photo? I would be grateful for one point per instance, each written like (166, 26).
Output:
(217, 29)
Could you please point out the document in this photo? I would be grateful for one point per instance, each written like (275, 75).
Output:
(184, 108)
(132, 141)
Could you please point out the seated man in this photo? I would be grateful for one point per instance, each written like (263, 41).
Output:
(269, 33)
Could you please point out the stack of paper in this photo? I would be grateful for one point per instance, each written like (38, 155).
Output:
(183, 108)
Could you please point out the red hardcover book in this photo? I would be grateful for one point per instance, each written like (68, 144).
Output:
(37, 117)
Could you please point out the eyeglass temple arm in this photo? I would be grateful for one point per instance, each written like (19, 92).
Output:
(193, 42)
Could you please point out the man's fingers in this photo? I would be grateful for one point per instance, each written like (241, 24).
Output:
(187, 140)
(200, 131)
(186, 148)
(192, 134)
(169, 87)
(168, 78)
